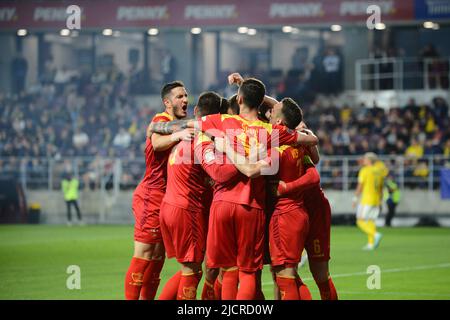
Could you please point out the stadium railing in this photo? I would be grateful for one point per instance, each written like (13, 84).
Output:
(402, 74)
(116, 174)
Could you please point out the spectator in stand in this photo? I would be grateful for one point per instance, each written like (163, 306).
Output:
(415, 150)
(332, 66)
(122, 140)
(80, 139)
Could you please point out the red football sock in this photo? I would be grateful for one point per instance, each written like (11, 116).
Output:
(187, 289)
(169, 292)
(288, 288)
(151, 279)
(208, 291)
(134, 278)
(230, 284)
(247, 286)
(303, 290)
(327, 290)
(218, 289)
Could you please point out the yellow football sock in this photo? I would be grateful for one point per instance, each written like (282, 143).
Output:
(367, 228)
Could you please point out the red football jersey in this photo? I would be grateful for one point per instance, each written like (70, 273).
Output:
(291, 168)
(245, 191)
(186, 180)
(155, 162)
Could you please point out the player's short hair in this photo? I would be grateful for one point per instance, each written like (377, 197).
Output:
(262, 110)
(292, 113)
(167, 88)
(232, 104)
(252, 92)
(371, 156)
(210, 103)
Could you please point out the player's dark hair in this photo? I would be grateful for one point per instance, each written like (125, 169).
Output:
(210, 103)
(252, 92)
(262, 110)
(167, 88)
(292, 113)
(232, 104)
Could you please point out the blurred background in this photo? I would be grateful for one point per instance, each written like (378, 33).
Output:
(78, 100)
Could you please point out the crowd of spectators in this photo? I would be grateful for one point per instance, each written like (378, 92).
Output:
(71, 115)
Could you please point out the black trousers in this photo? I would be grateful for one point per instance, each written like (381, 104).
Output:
(391, 212)
(69, 204)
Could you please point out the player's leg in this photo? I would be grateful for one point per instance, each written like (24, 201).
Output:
(142, 277)
(135, 274)
(218, 286)
(221, 244)
(152, 233)
(259, 293)
(318, 249)
(373, 215)
(191, 273)
(321, 275)
(288, 231)
(286, 281)
(211, 275)
(363, 225)
(250, 226)
(276, 289)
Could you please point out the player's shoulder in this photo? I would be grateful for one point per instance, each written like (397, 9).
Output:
(215, 116)
(161, 117)
(202, 138)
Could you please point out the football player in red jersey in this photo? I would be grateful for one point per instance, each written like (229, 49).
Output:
(142, 277)
(182, 214)
(289, 223)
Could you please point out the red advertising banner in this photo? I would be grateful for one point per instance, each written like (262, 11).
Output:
(189, 13)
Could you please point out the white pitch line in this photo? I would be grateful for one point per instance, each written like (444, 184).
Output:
(424, 294)
(344, 275)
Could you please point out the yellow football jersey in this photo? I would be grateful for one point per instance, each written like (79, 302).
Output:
(384, 170)
(371, 177)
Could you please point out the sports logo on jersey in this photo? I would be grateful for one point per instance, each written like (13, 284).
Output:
(209, 156)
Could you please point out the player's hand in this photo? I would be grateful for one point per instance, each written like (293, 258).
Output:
(185, 134)
(281, 188)
(301, 126)
(354, 202)
(220, 144)
(235, 78)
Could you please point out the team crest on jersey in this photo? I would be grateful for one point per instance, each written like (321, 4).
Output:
(189, 293)
(209, 156)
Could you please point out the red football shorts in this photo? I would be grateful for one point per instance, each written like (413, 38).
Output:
(287, 234)
(318, 241)
(183, 232)
(146, 215)
(235, 236)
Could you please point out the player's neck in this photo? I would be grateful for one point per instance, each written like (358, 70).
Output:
(248, 114)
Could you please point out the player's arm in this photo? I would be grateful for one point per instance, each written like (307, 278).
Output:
(164, 142)
(313, 152)
(169, 127)
(217, 169)
(251, 170)
(359, 188)
(310, 179)
(307, 138)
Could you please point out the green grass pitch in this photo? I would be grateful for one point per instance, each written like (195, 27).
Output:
(414, 263)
